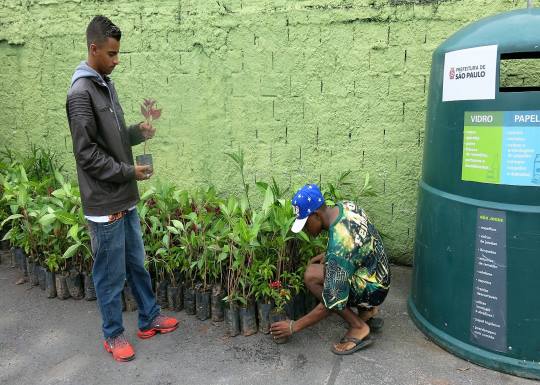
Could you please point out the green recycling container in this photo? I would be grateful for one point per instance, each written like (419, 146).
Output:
(476, 282)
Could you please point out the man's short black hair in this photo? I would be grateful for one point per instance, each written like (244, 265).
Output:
(100, 29)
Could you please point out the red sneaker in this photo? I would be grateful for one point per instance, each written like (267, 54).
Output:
(120, 348)
(161, 324)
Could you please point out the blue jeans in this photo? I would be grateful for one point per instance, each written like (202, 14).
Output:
(118, 251)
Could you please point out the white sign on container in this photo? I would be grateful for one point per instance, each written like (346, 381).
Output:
(470, 74)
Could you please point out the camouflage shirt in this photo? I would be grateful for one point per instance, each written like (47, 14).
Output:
(356, 263)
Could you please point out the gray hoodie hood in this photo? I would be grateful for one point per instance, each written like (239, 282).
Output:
(85, 71)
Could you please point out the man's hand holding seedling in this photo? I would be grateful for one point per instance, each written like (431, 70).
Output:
(147, 130)
(143, 172)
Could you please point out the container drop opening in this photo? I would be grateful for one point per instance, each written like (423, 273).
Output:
(519, 72)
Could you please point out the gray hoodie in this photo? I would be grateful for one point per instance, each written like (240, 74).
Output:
(83, 70)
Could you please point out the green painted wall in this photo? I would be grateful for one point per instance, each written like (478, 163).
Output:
(307, 88)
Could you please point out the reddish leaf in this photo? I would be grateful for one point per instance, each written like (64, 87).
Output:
(156, 114)
(145, 112)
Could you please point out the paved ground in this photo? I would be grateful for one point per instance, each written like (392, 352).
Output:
(49, 341)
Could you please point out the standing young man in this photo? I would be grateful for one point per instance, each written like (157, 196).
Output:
(354, 271)
(108, 185)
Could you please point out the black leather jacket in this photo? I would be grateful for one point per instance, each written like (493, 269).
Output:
(102, 147)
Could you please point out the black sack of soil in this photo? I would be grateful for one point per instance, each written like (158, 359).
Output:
(299, 306)
(289, 309)
(89, 289)
(24, 264)
(218, 311)
(131, 302)
(20, 260)
(161, 294)
(75, 284)
(6, 257)
(34, 274)
(12, 262)
(248, 319)
(275, 316)
(50, 284)
(263, 312)
(29, 266)
(189, 300)
(175, 298)
(42, 272)
(202, 301)
(232, 320)
(62, 291)
(310, 302)
(14, 253)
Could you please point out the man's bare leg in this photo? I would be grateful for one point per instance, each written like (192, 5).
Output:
(366, 314)
(314, 280)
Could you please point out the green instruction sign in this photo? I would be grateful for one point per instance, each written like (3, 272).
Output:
(502, 147)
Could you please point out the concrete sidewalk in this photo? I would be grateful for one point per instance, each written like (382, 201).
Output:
(49, 341)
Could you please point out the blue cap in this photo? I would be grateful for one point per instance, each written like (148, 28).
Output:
(305, 202)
